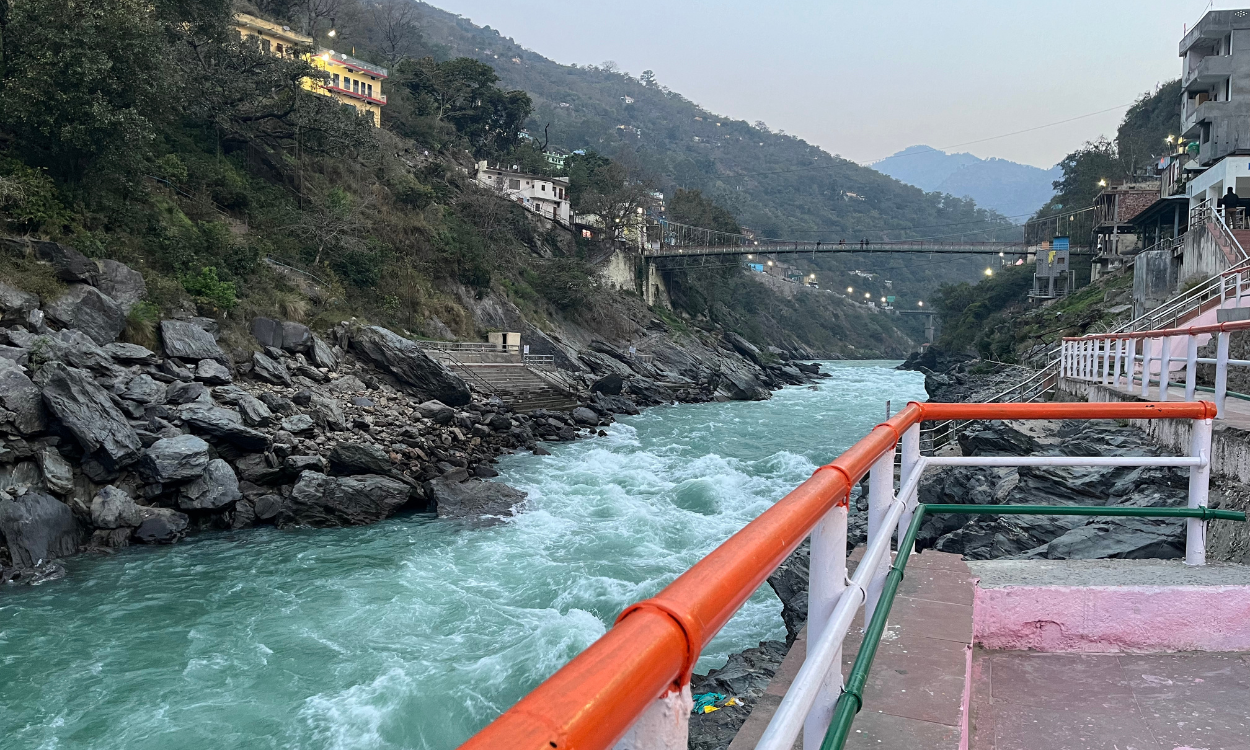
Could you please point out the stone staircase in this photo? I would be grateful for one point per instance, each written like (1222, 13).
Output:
(516, 385)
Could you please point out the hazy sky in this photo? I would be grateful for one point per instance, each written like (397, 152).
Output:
(865, 79)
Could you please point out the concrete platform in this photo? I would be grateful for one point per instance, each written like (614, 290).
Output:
(916, 689)
(1188, 701)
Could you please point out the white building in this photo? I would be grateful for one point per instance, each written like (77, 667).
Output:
(546, 196)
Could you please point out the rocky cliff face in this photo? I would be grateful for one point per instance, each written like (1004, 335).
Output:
(105, 443)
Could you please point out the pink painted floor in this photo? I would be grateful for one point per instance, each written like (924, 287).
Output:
(1186, 701)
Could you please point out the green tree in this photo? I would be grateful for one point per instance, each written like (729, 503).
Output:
(691, 207)
(80, 80)
(462, 92)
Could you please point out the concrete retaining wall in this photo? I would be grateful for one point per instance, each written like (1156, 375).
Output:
(1230, 447)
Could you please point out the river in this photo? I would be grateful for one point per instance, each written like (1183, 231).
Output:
(413, 633)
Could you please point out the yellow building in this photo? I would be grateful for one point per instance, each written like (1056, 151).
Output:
(350, 81)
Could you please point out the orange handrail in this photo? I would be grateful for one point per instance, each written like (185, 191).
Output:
(1236, 325)
(594, 699)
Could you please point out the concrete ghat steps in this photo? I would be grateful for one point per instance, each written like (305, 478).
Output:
(517, 386)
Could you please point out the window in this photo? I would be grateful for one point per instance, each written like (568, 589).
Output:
(514, 184)
(279, 48)
(355, 86)
(370, 87)
(335, 81)
(544, 187)
(264, 45)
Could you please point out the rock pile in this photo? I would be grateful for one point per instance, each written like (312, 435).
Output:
(105, 443)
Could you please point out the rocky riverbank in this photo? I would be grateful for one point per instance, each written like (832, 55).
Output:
(104, 443)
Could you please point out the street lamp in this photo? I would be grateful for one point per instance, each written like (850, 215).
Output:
(989, 272)
(1102, 182)
(867, 295)
(920, 303)
(850, 290)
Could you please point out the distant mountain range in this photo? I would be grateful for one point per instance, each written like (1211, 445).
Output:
(1014, 190)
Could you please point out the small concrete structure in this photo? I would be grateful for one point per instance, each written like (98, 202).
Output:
(545, 196)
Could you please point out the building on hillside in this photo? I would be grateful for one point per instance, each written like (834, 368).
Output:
(350, 81)
(1116, 236)
(556, 158)
(545, 196)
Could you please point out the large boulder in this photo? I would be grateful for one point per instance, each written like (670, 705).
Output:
(405, 360)
(269, 369)
(86, 410)
(20, 398)
(436, 411)
(744, 347)
(186, 340)
(216, 488)
(327, 413)
(179, 392)
(131, 353)
(145, 390)
(222, 424)
(175, 459)
(58, 475)
(112, 508)
(69, 264)
(322, 355)
(320, 500)
(359, 458)
(296, 337)
(212, 372)
(267, 331)
(37, 527)
(122, 283)
(161, 526)
(15, 305)
(74, 348)
(90, 311)
(254, 411)
(474, 499)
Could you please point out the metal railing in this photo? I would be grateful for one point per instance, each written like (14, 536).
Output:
(1112, 360)
(469, 346)
(633, 684)
(1035, 388)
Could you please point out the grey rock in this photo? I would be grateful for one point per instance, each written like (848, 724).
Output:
(21, 475)
(296, 337)
(145, 390)
(327, 413)
(499, 423)
(298, 423)
(161, 526)
(212, 372)
(112, 508)
(36, 528)
(122, 283)
(359, 458)
(132, 353)
(584, 416)
(405, 360)
(270, 370)
(15, 304)
(320, 500)
(437, 412)
(222, 424)
(609, 385)
(244, 515)
(263, 469)
(254, 411)
(268, 506)
(302, 397)
(175, 459)
(185, 393)
(20, 397)
(744, 347)
(58, 475)
(209, 325)
(298, 464)
(90, 311)
(346, 384)
(86, 410)
(744, 677)
(995, 439)
(186, 340)
(70, 265)
(267, 331)
(74, 348)
(475, 499)
(322, 355)
(19, 357)
(216, 488)
(614, 404)
(789, 582)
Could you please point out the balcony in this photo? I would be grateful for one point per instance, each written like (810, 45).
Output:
(380, 99)
(351, 63)
(1209, 70)
(1195, 113)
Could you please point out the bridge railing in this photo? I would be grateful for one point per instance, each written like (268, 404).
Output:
(1112, 359)
(631, 688)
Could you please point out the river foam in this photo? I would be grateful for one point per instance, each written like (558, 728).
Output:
(413, 633)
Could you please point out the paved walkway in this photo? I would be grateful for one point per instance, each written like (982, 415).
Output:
(1033, 701)
(1236, 410)
(915, 690)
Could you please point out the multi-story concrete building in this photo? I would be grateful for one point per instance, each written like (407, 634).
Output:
(545, 196)
(350, 81)
(1215, 80)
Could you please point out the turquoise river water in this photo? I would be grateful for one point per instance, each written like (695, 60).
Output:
(412, 633)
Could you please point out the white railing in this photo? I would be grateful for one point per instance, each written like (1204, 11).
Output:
(808, 705)
(1112, 360)
(469, 346)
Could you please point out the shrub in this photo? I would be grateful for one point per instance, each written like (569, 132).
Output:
(141, 325)
(207, 289)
